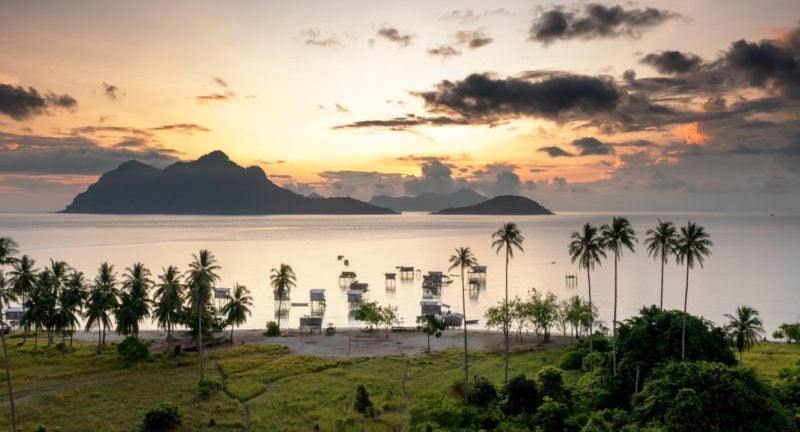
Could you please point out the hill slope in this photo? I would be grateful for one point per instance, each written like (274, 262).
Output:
(501, 205)
(429, 201)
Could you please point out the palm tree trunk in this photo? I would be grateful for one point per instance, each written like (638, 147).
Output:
(200, 338)
(591, 322)
(464, 309)
(614, 321)
(740, 359)
(661, 304)
(685, 300)
(429, 342)
(505, 323)
(99, 337)
(13, 411)
(36, 338)
(231, 333)
(280, 306)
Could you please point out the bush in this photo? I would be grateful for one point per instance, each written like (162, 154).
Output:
(790, 332)
(273, 329)
(133, 349)
(551, 416)
(207, 386)
(520, 396)
(162, 417)
(482, 392)
(551, 383)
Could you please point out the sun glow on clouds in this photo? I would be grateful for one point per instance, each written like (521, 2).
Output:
(693, 135)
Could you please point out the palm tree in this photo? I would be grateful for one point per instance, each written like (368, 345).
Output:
(201, 278)
(59, 270)
(71, 303)
(169, 300)
(39, 307)
(507, 237)
(8, 249)
(660, 244)
(105, 281)
(283, 280)
(23, 281)
(587, 249)
(6, 296)
(617, 237)
(238, 307)
(692, 247)
(99, 305)
(463, 258)
(744, 329)
(136, 300)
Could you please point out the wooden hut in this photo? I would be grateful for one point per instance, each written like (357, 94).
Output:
(221, 297)
(477, 272)
(391, 280)
(13, 315)
(406, 273)
(363, 286)
(282, 302)
(346, 278)
(355, 298)
(431, 307)
(316, 299)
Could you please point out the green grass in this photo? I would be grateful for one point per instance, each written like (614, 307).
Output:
(769, 359)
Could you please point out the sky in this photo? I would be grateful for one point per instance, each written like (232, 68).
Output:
(582, 106)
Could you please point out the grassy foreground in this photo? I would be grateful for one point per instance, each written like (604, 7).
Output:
(82, 390)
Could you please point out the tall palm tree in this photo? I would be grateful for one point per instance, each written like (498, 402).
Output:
(238, 307)
(106, 281)
(59, 269)
(660, 244)
(6, 296)
(8, 249)
(136, 300)
(744, 329)
(507, 238)
(463, 258)
(283, 280)
(617, 237)
(22, 278)
(71, 303)
(39, 307)
(692, 247)
(169, 301)
(201, 277)
(586, 248)
(100, 303)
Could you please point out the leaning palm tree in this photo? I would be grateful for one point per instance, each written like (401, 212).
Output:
(660, 244)
(616, 238)
(200, 278)
(137, 283)
(744, 329)
(507, 238)
(283, 280)
(169, 301)
(692, 247)
(22, 278)
(106, 281)
(237, 309)
(586, 248)
(100, 303)
(463, 258)
(71, 303)
(6, 296)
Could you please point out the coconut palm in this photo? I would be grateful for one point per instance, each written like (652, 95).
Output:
(39, 307)
(744, 329)
(8, 249)
(100, 303)
(6, 296)
(237, 309)
(616, 238)
(70, 303)
(660, 244)
(463, 258)
(507, 238)
(22, 278)
(136, 300)
(59, 270)
(586, 248)
(169, 301)
(692, 247)
(201, 278)
(105, 281)
(283, 280)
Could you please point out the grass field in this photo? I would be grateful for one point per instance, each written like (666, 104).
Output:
(82, 390)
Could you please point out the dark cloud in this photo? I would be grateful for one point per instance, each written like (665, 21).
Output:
(435, 177)
(595, 21)
(21, 104)
(317, 37)
(394, 35)
(111, 91)
(71, 155)
(480, 98)
(401, 123)
(672, 62)
(185, 128)
(767, 63)
(472, 38)
(215, 97)
(444, 51)
(341, 108)
(589, 146)
(555, 151)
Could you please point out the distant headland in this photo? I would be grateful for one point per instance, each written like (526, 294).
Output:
(210, 185)
(500, 205)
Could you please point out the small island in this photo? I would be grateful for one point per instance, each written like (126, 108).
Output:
(500, 205)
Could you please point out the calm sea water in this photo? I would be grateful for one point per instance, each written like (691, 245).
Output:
(754, 259)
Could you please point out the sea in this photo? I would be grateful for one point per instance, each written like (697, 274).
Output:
(754, 259)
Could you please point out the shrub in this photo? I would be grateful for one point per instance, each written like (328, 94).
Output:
(551, 383)
(482, 392)
(273, 329)
(133, 349)
(162, 417)
(520, 395)
(206, 386)
(790, 332)
(551, 415)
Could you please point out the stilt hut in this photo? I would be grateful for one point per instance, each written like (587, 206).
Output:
(317, 302)
(406, 273)
(431, 307)
(355, 298)
(221, 298)
(391, 280)
(283, 302)
(477, 272)
(363, 286)
(571, 280)
(346, 278)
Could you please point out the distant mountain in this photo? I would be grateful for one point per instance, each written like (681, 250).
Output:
(501, 205)
(212, 184)
(429, 201)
